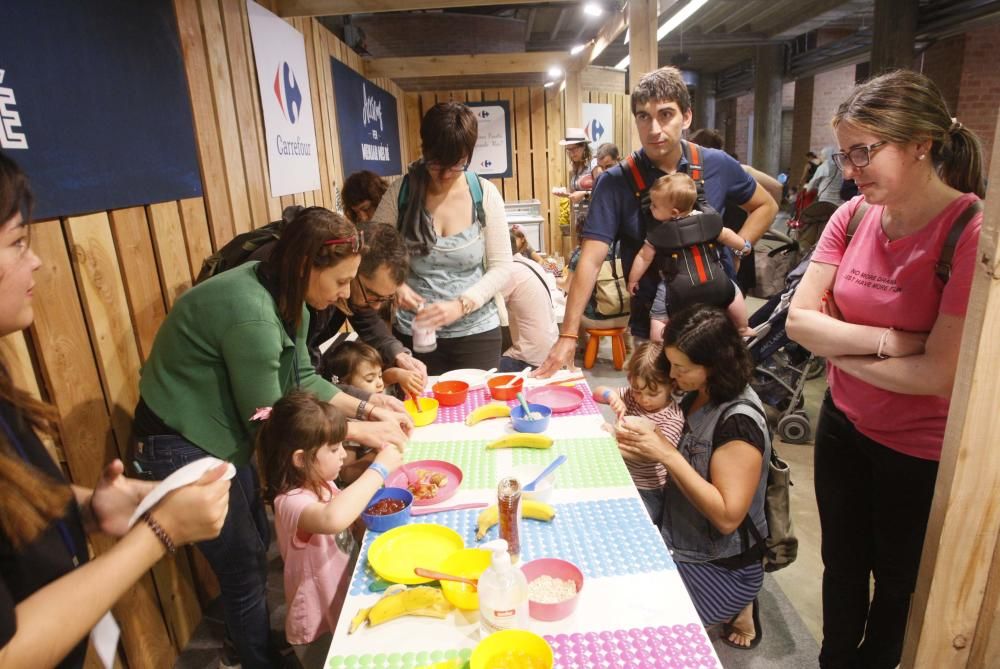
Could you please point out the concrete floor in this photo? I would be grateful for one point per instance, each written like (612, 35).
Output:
(790, 603)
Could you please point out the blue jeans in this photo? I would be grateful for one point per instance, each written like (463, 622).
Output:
(508, 364)
(238, 556)
(652, 498)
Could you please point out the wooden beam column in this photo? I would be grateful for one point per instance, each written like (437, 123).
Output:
(954, 619)
(642, 51)
(894, 35)
(704, 102)
(573, 109)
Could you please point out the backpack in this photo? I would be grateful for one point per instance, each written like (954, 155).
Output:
(475, 188)
(611, 296)
(942, 269)
(239, 249)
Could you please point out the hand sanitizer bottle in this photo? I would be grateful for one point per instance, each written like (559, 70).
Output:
(503, 593)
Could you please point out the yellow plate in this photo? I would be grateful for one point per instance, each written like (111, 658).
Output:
(394, 554)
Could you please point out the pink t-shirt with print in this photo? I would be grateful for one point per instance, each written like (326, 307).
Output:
(316, 576)
(886, 283)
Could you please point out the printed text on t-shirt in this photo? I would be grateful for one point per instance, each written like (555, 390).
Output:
(875, 281)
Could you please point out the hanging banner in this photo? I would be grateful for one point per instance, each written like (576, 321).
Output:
(94, 104)
(280, 53)
(491, 157)
(598, 123)
(367, 122)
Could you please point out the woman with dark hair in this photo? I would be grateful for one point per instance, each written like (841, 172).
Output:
(450, 240)
(361, 195)
(713, 507)
(51, 592)
(877, 302)
(581, 166)
(229, 346)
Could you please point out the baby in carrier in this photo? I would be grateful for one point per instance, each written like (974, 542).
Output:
(685, 244)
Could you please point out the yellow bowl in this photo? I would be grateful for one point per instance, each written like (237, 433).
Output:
(512, 649)
(467, 563)
(428, 411)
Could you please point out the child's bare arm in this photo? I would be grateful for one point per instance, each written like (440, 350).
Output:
(732, 240)
(611, 397)
(639, 266)
(408, 380)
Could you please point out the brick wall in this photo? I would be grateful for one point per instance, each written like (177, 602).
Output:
(979, 94)
(741, 140)
(942, 63)
(401, 35)
(829, 90)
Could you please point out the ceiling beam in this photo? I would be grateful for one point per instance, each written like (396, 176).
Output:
(465, 65)
(290, 8)
(614, 27)
(558, 25)
(530, 24)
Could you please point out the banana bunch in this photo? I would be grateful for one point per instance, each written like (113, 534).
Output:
(530, 508)
(399, 601)
(487, 411)
(521, 440)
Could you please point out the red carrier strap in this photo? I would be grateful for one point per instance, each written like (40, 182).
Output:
(693, 156)
(638, 183)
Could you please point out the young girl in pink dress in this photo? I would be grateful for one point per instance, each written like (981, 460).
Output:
(301, 441)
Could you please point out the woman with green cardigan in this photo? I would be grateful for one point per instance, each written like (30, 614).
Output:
(232, 345)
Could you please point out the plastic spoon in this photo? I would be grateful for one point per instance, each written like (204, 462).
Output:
(456, 507)
(416, 403)
(438, 576)
(545, 472)
(524, 405)
(513, 380)
(486, 376)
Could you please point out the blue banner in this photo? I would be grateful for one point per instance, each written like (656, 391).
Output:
(94, 104)
(367, 122)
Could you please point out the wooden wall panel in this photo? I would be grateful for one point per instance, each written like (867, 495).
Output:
(171, 253)
(142, 287)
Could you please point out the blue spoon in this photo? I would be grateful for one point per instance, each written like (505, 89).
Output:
(524, 405)
(545, 472)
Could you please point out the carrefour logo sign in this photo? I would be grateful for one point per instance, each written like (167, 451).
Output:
(11, 134)
(287, 90)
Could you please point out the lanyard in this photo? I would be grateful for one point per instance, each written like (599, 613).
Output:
(67, 538)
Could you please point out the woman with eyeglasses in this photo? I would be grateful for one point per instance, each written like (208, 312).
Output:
(231, 345)
(875, 302)
(459, 249)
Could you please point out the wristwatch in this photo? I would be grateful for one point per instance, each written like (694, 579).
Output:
(747, 247)
(467, 305)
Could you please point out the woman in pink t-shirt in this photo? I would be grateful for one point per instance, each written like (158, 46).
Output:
(301, 442)
(889, 325)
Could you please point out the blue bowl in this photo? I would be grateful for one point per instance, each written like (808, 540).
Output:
(387, 522)
(522, 424)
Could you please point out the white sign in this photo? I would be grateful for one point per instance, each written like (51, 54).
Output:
(598, 124)
(11, 133)
(491, 157)
(280, 53)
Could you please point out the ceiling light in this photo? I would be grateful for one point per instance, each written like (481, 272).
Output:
(593, 9)
(555, 72)
(577, 49)
(679, 18)
(548, 84)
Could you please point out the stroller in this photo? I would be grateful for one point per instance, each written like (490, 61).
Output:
(783, 366)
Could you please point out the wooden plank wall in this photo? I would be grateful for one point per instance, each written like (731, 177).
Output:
(536, 125)
(109, 278)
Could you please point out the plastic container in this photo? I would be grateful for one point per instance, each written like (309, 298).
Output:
(512, 648)
(505, 394)
(387, 522)
(503, 593)
(555, 568)
(527, 473)
(424, 339)
(428, 411)
(468, 563)
(451, 393)
(522, 424)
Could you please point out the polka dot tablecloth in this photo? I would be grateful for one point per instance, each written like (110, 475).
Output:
(481, 396)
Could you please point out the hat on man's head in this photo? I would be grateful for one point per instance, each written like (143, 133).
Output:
(574, 136)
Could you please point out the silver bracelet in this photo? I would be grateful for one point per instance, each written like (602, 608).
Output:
(881, 344)
(360, 412)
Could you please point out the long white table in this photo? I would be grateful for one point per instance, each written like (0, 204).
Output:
(633, 611)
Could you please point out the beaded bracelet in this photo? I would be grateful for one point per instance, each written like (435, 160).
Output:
(160, 533)
(380, 469)
(359, 413)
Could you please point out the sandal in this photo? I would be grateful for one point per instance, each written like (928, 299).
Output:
(728, 629)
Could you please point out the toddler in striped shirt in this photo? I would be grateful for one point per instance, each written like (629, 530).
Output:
(649, 395)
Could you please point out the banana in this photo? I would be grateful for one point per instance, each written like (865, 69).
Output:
(487, 411)
(530, 508)
(521, 440)
(399, 601)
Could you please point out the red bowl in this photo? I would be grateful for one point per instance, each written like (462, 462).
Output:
(450, 393)
(504, 393)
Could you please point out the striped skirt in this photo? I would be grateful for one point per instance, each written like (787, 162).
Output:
(719, 593)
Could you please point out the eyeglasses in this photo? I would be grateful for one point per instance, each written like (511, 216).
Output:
(434, 165)
(857, 157)
(355, 241)
(374, 299)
